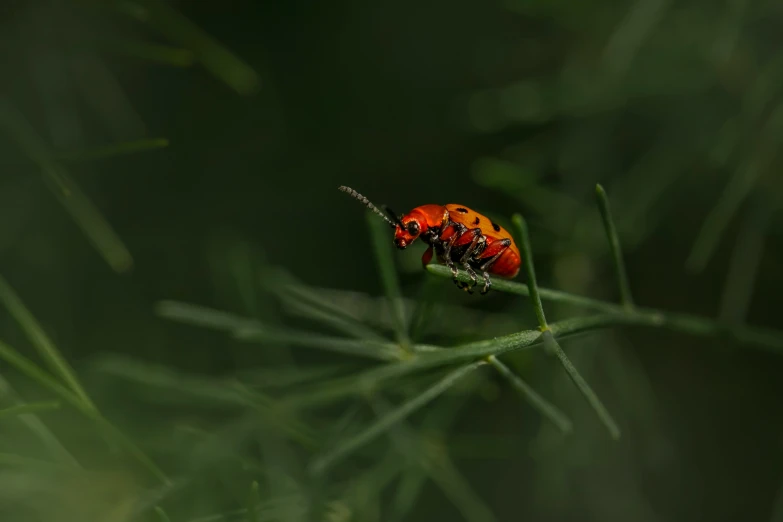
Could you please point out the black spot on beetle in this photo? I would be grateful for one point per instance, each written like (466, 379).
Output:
(462, 210)
(477, 221)
(496, 227)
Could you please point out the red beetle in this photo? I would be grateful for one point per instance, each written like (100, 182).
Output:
(458, 235)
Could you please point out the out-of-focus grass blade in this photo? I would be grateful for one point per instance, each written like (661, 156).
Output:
(38, 338)
(446, 475)
(32, 371)
(56, 448)
(161, 514)
(737, 190)
(250, 330)
(253, 501)
(81, 209)
(437, 465)
(544, 407)
(117, 149)
(384, 257)
(425, 306)
(217, 59)
(203, 316)
(603, 414)
(389, 420)
(313, 305)
(745, 260)
(614, 243)
(30, 407)
(204, 389)
(155, 53)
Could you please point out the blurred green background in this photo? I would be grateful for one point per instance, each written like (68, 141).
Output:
(190, 151)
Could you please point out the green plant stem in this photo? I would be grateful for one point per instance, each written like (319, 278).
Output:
(554, 347)
(30, 407)
(527, 259)
(162, 516)
(31, 370)
(45, 347)
(546, 408)
(614, 243)
(253, 501)
(115, 149)
(617, 315)
(393, 417)
(385, 259)
(550, 343)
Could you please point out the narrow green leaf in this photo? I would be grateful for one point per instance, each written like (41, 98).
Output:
(425, 306)
(406, 493)
(554, 347)
(513, 287)
(389, 420)
(155, 53)
(54, 446)
(446, 475)
(546, 408)
(757, 337)
(251, 330)
(253, 502)
(30, 407)
(216, 58)
(745, 259)
(614, 242)
(384, 256)
(162, 516)
(45, 347)
(75, 202)
(527, 259)
(116, 149)
(740, 186)
(31, 370)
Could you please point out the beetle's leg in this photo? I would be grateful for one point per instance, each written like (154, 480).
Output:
(491, 254)
(473, 247)
(448, 242)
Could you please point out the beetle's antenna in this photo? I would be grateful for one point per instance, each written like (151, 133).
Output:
(391, 213)
(367, 202)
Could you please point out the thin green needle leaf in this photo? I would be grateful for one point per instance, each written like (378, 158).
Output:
(718, 219)
(527, 259)
(31, 370)
(251, 330)
(387, 421)
(117, 149)
(425, 306)
(308, 303)
(216, 58)
(546, 408)
(38, 338)
(737, 190)
(512, 287)
(75, 202)
(744, 264)
(446, 475)
(30, 407)
(253, 501)
(757, 337)
(162, 516)
(406, 493)
(162, 54)
(614, 242)
(40, 430)
(554, 347)
(384, 256)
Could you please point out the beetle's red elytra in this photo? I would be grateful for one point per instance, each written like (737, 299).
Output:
(458, 236)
